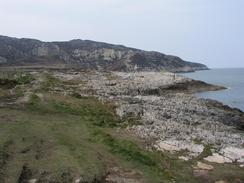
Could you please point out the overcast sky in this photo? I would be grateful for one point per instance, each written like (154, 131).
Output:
(206, 31)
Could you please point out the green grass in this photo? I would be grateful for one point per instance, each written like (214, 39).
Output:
(89, 108)
(52, 143)
(127, 149)
(13, 85)
(58, 133)
(3, 93)
(206, 152)
(23, 78)
(50, 82)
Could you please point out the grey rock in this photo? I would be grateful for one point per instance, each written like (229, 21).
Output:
(86, 54)
(3, 60)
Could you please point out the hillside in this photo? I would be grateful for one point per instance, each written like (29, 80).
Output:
(88, 55)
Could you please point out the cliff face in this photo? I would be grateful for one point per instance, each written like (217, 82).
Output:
(87, 54)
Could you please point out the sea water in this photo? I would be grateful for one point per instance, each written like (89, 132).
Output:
(233, 79)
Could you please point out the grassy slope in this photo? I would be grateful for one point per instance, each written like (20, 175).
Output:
(63, 137)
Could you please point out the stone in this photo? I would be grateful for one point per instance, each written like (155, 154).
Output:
(221, 181)
(78, 180)
(200, 173)
(184, 158)
(32, 180)
(203, 166)
(233, 153)
(217, 158)
(175, 146)
(119, 175)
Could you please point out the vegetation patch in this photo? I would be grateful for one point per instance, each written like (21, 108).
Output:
(3, 93)
(23, 78)
(129, 150)
(9, 80)
(89, 108)
(49, 82)
(206, 152)
(4, 157)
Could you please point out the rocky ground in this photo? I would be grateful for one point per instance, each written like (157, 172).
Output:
(171, 118)
(158, 108)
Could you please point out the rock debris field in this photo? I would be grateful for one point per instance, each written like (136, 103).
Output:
(170, 118)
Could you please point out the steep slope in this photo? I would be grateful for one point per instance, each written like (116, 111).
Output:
(87, 54)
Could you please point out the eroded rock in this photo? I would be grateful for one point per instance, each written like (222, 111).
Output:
(117, 175)
(175, 146)
(203, 166)
(227, 155)
(233, 153)
(217, 158)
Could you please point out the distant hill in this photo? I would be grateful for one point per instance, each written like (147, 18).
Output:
(86, 54)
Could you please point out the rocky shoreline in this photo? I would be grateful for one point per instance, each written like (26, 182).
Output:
(170, 117)
(156, 109)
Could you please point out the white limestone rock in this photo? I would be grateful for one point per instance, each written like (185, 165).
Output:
(203, 166)
(175, 146)
(233, 153)
(217, 158)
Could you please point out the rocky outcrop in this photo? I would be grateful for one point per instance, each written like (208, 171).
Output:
(85, 54)
(3, 60)
(227, 155)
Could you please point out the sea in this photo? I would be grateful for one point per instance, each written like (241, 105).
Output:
(231, 78)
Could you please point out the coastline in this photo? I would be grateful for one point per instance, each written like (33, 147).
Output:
(167, 110)
(158, 109)
(228, 77)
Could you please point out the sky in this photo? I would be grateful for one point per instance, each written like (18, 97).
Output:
(205, 31)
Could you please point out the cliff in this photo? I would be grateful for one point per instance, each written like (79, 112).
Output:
(86, 54)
